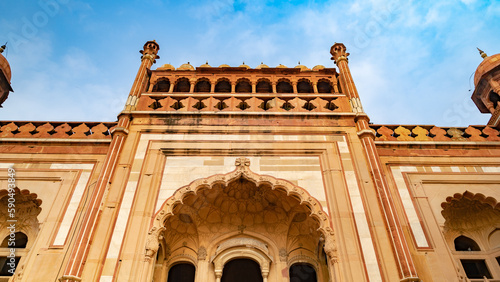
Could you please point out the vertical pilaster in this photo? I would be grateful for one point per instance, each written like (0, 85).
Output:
(406, 266)
(81, 245)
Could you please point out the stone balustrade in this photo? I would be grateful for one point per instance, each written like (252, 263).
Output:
(434, 133)
(71, 130)
(243, 103)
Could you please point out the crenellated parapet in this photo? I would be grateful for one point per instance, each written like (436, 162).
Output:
(71, 130)
(472, 133)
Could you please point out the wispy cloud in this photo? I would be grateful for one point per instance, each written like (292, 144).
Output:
(411, 60)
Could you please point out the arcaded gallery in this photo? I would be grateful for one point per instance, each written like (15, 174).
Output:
(240, 174)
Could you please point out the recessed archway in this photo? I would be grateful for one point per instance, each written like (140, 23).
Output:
(241, 270)
(243, 203)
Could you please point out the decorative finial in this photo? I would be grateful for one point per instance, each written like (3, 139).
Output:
(483, 55)
(299, 62)
(206, 62)
(188, 63)
(2, 48)
(242, 162)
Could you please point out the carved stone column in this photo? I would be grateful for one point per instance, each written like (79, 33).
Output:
(152, 246)
(282, 265)
(203, 265)
(233, 86)
(333, 266)
(315, 87)
(192, 83)
(218, 275)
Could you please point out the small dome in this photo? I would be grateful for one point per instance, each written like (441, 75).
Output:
(302, 67)
(224, 66)
(244, 66)
(166, 67)
(5, 67)
(205, 65)
(280, 66)
(187, 66)
(485, 66)
(262, 66)
(318, 67)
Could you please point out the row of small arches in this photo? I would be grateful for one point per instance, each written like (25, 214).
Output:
(223, 85)
(185, 272)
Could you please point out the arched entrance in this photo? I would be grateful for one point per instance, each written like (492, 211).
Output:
(241, 270)
(182, 272)
(243, 215)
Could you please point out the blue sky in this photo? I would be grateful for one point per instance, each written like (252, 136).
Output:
(411, 60)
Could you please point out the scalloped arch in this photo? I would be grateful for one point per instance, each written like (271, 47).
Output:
(243, 170)
(25, 192)
(471, 196)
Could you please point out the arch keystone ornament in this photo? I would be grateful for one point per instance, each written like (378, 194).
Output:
(259, 251)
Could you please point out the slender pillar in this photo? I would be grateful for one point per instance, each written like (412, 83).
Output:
(233, 87)
(406, 266)
(202, 266)
(81, 245)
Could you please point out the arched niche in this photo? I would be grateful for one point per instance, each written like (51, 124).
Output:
(303, 272)
(466, 212)
(193, 203)
(243, 247)
(464, 243)
(181, 272)
(18, 240)
(494, 239)
(243, 171)
(27, 211)
(182, 85)
(162, 85)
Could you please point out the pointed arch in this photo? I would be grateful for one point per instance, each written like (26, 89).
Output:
(243, 171)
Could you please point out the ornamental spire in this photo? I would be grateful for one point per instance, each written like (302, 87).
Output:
(483, 55)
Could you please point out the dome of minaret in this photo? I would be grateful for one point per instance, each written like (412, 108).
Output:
(262, 66)
(318, 67)
(187, 66)
(166, 67)
(489, 63)
(301, 67)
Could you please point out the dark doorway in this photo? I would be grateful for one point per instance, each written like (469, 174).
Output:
(302, 272)
(183, 272)
(241, 270)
